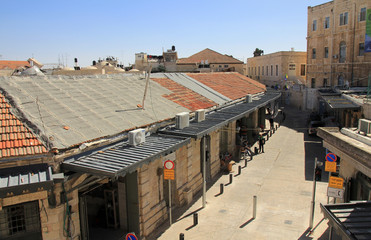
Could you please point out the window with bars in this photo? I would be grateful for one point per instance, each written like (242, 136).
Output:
(326, 52)
(327, 23)
(343, 18)
(362, 15)
(21, 221)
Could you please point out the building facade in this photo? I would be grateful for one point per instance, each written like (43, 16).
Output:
(280, 68)
(336, 44)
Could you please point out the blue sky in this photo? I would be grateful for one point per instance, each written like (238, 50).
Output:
(53, 31)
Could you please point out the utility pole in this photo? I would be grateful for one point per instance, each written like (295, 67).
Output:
(147, 82)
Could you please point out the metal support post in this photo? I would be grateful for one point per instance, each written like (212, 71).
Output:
(246, 161)
(195, 219)
(170, 217)
(181, 236)
(311, 219)
(239, 170)
(254, 207)
(204, 172)
(230, 178)
(221, 188)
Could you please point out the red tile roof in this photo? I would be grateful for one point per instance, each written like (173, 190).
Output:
(209, 55)
(232, 85)
(15, 139)
(184, 96)
(5, 64)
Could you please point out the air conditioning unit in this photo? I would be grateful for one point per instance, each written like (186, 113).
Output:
(248, 98)
(200, 115)
(364, 126)
(137, 137)
(182, 120)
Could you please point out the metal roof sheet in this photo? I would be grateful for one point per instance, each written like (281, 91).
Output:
(69, 110)
(339, 102)
(350, 220)
(223, 116)
(195, 86)
(121, 158)
(25, 179)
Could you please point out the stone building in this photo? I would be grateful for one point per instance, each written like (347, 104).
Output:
(336, 44)
(280, 68)
(101, 178)
(209, 61)
(160, 63)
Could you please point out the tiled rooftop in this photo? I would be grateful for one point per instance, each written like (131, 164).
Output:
(209, 55)
(231, 85)
(184, 96)
(4, 64)
(15, 138)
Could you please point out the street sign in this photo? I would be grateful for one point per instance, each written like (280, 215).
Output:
(335, 182)
(169, 173)
(335, 192)
(331, 157)
(330, 166)
(131, 236)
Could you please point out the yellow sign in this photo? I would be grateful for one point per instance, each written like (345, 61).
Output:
(169, 174)
(330, 166)
(335, 182)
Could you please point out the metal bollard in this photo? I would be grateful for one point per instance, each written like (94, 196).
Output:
(277, 126)
(246, 162)
(181, 236)
(239, 170)
(230, 178)
(195, 219)
(274, 130)
(254, 207)
(270, 133)
(221, 188)
(267, 137)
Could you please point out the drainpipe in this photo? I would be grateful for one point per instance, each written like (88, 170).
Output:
(204, 171)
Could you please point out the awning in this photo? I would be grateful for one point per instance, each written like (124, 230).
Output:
(350, 220)
(122, 158)
(25, 179)
(339, 102)
(224, 116)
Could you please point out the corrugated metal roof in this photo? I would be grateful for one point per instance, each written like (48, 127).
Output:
(122, 158)
(350, 220)
(339, 102)
(69, 110)
(223, 116)
(25, 179)
(195, 86)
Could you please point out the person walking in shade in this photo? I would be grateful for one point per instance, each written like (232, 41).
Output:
(261, 143)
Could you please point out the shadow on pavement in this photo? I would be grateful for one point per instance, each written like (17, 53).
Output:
(246, 223)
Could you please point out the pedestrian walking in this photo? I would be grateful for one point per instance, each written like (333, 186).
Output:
(271, 122)
(261, 143)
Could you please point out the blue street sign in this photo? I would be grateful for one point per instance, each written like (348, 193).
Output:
(331, 157)
(131, 236)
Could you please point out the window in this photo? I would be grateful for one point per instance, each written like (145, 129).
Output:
(249, 71)
(271, 70)
(225, 66)
(313, 53)
(267, 70)
(343, 18)
(314, 25)
(325, 82)
(302, 70)
(21, 221)
(342, 52)
(327, 22)
(255, 71)
(263, 70)
(326, 52)
(313, 83)
(276, 70)
(362, 15)
(361, 49)
(258, 71)
(220, 66)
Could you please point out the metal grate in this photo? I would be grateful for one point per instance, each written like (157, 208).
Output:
(20, 221)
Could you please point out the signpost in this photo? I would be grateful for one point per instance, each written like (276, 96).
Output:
(335, 192)
(169, 174)
(330, 166)
(335, 182)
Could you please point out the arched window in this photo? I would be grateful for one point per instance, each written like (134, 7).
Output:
(342, 52)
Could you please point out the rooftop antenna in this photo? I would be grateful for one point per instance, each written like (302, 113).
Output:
(145, 89)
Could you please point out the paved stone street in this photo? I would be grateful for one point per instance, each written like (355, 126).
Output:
(281, 178)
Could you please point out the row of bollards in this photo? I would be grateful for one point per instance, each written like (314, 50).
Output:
(195, 215)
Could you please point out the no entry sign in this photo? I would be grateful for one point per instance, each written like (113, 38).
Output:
(169, 173)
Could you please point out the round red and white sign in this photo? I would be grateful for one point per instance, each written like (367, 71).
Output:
(169, 165)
